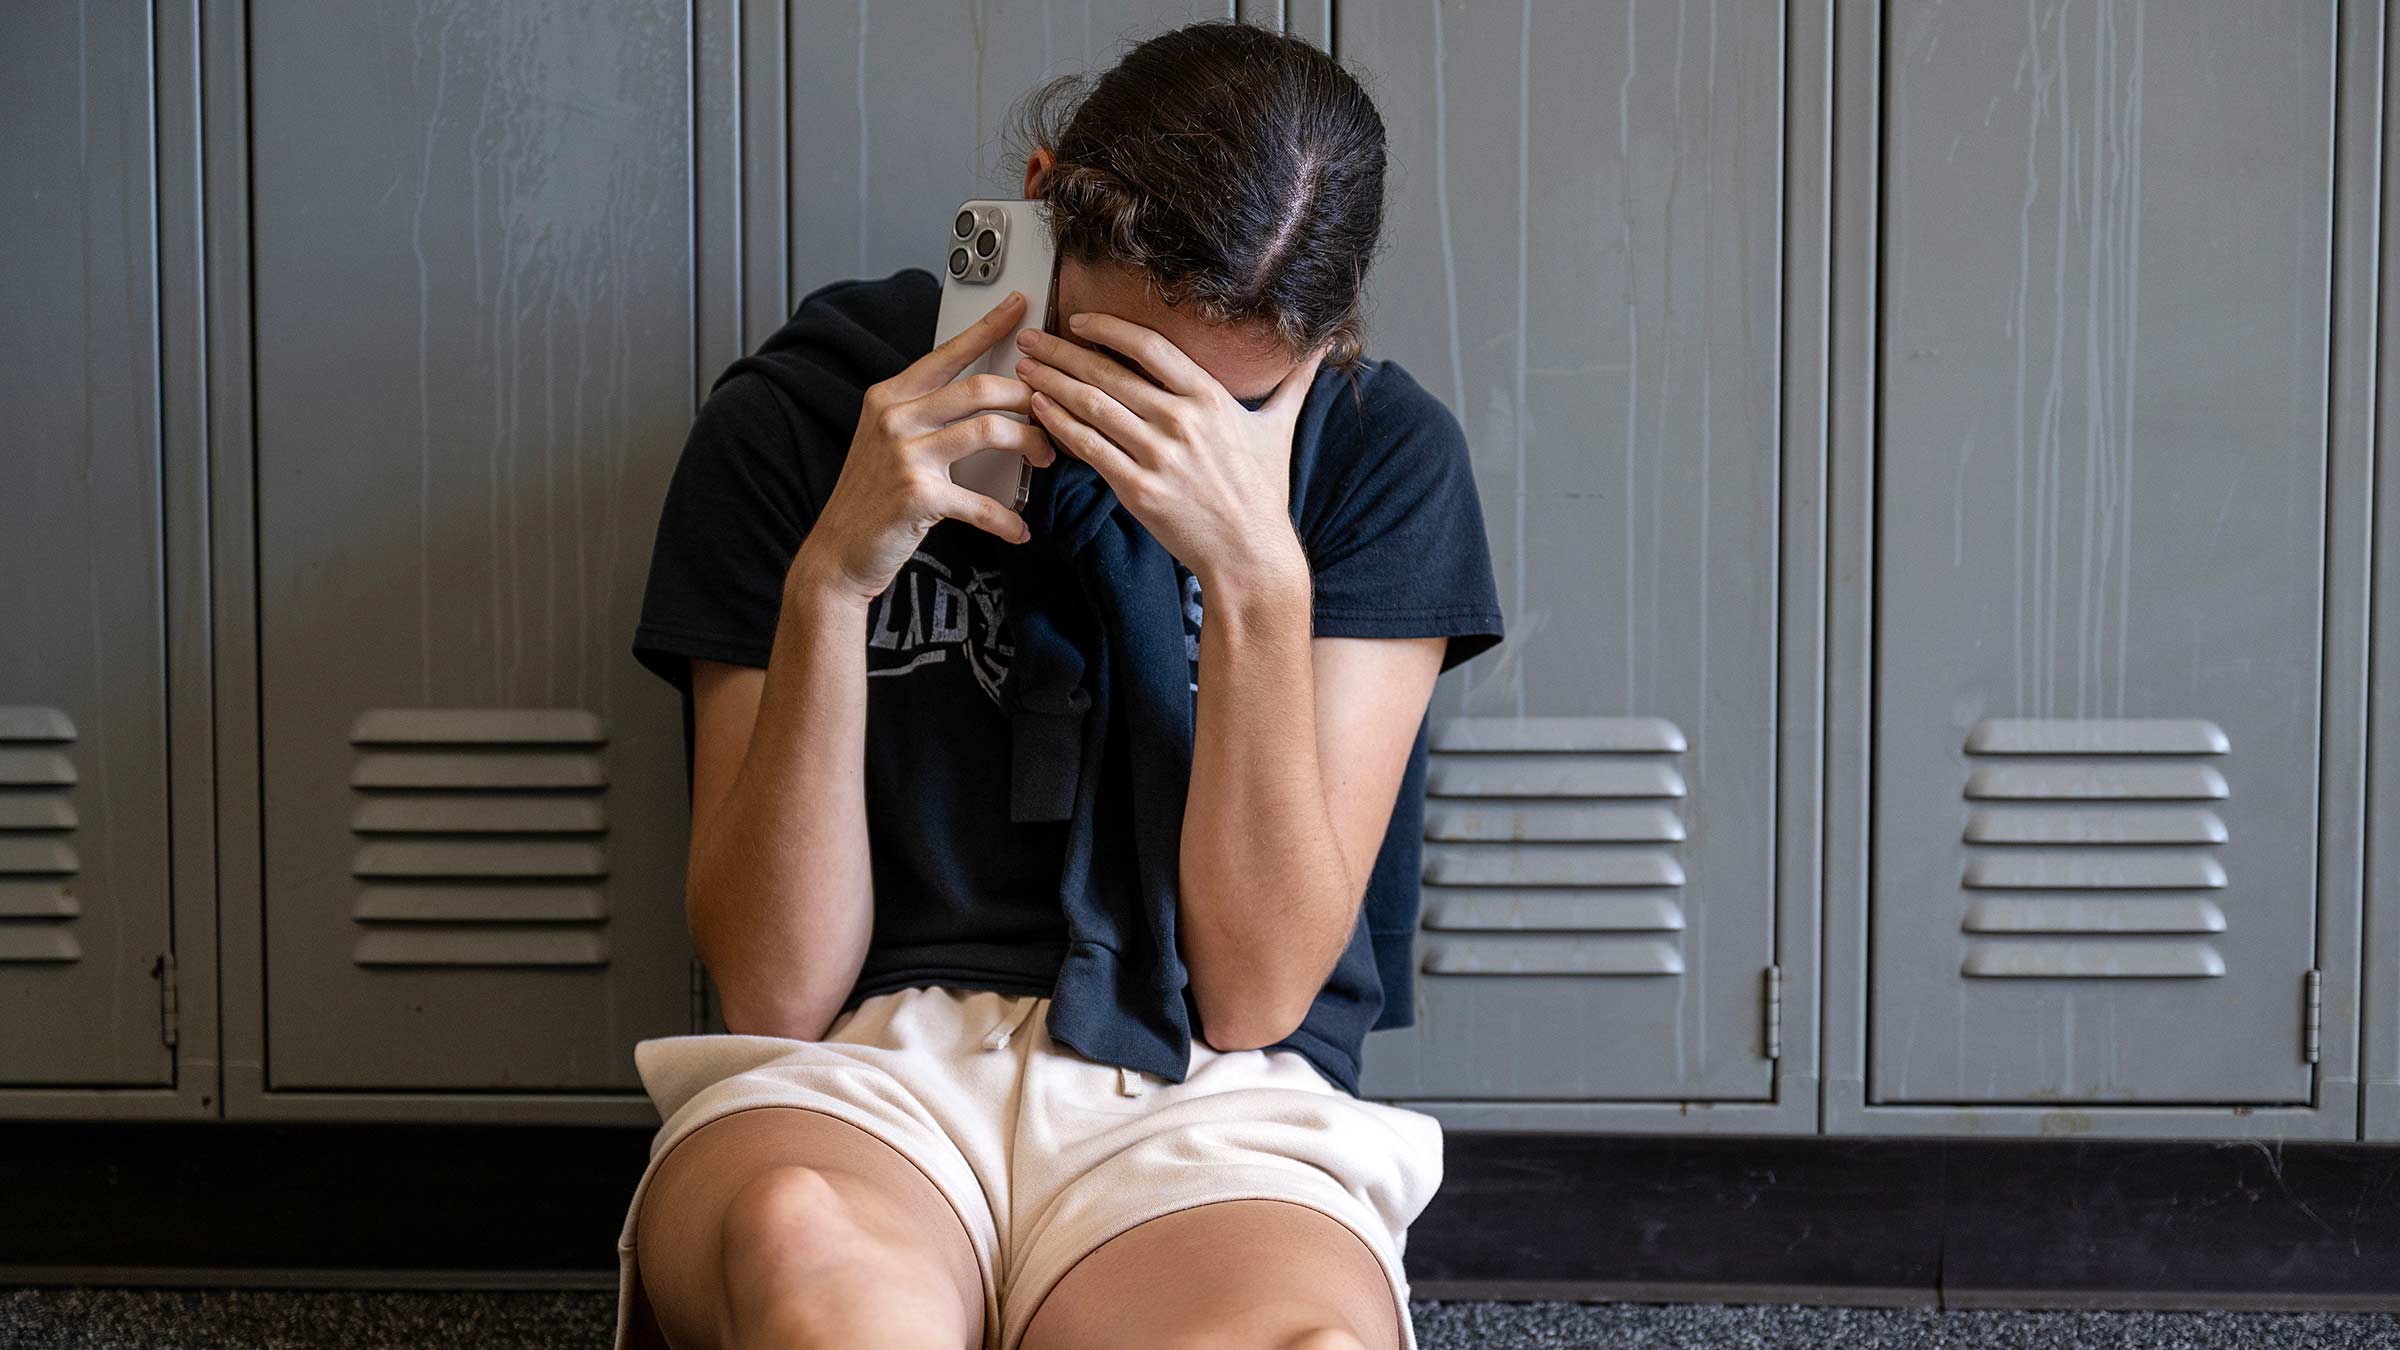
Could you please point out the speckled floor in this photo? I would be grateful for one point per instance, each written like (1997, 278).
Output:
(118, 1319)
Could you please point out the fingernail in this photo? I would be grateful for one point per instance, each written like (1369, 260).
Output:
(1075, 321)
(1030, 337)
(1024, 365)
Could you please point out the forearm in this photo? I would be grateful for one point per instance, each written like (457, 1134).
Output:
(781, 900)
(1267, 896)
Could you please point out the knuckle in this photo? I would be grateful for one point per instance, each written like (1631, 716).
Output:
(888, 419)
(1145, 349)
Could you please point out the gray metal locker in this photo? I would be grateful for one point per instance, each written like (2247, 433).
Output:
(2100, 589)
(473, 301)
(1585, 261)
(897, 114)
(86, 940)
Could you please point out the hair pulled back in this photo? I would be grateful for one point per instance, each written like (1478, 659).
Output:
(1239, 169)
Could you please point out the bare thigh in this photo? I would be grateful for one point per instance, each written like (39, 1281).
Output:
(682, 1253)
(1232, 1272)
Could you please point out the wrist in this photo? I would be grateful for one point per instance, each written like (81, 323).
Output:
(815, 585)
(1269, 570)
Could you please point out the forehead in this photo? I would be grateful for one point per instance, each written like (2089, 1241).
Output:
(1247, 359)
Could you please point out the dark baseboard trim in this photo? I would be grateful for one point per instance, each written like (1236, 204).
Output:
(1949, 1222)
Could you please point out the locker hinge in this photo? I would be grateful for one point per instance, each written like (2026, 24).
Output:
(1774, 1012)
(163, 970)
(699, 997)
(2313, 1023)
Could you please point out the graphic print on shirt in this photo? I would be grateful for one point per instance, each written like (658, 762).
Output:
(1191, 622)
(927, 613)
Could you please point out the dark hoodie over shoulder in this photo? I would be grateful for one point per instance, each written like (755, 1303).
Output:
(1029, 713)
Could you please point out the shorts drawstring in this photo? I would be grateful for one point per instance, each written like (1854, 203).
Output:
(1009, 1023)
(1129, 1080)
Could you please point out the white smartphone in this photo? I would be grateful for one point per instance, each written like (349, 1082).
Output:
(994, 247)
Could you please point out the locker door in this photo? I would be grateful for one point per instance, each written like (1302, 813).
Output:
(2100, 541)
(83, 768)
(472, 255)
(1584, 260)
(899, 112)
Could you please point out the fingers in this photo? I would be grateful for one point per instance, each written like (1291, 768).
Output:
(1163, 359)
(990, 431)
(1293, 390)
(1096, 369)
(1120, 424)
(965, 398)
(1086, 444)
(942, 365)
(981, 512)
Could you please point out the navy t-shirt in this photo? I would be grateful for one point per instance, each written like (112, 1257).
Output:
(965, 897)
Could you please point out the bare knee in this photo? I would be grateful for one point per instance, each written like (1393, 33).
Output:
(1315, 1337)
(804, 1265)
(784, 1237)
(1325, 1338)
(792, 1216)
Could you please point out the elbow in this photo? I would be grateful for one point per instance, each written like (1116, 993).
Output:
(1253, 1033)
(1248, 999)
(1249, 1018)
(750, 1005)
(746, 1008)
(783, 1022)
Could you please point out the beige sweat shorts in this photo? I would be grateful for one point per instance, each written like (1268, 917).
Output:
(1046, 1154)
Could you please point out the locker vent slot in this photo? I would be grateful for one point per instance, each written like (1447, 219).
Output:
(38, 863)
(482, 837)
(1552, 847)
(2079, 834)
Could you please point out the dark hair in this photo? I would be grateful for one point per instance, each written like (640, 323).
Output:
(1240, 169)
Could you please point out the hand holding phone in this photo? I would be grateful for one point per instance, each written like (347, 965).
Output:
(913, 429)
(993, 246)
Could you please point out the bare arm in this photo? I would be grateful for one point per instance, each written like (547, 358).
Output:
(779, 892)
(1301, 745)
(1301, 741)
(778, 897)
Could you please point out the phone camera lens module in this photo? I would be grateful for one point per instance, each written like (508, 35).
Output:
(986, 244)
(958, 262)
(964, 225)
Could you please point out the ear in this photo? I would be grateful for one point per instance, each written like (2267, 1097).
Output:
(1037, 167)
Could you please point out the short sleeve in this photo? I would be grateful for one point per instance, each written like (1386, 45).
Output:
(1393, 526)
(736, 509)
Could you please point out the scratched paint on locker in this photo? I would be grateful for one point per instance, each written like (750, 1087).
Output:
(1584, 256)
(2099, 539)
(473, 295)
